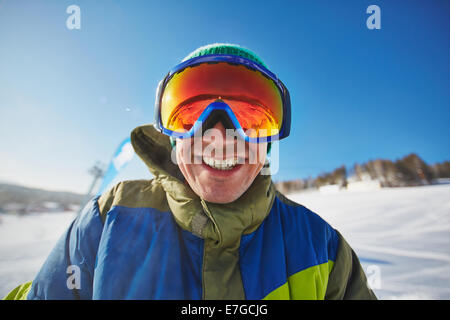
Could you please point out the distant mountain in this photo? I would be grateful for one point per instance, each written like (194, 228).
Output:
(408, 171)
(16, 198)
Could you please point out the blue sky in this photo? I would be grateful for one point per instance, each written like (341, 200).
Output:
(68, 97)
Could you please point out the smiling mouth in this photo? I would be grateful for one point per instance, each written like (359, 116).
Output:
(225, 164)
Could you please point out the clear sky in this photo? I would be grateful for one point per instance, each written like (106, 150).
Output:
(68, 97)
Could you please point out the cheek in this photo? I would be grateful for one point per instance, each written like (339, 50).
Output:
(182, 158)
(190, 170)
(252, 170)
(182, 155)
(257, 152)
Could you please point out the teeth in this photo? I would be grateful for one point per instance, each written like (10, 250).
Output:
(226, 164)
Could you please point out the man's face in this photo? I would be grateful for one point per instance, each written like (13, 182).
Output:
(217, 168)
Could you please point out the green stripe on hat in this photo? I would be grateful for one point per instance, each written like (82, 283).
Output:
(225, 48)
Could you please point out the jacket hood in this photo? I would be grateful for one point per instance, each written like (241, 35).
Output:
(220, 222)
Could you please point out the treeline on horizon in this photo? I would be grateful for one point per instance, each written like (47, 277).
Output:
(410, 170)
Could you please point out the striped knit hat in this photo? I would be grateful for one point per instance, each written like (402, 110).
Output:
(225, 48)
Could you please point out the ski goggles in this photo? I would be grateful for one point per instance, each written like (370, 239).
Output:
(253, 99)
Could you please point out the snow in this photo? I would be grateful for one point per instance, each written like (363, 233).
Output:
(25, 243)
(401, 233)
(401, 236)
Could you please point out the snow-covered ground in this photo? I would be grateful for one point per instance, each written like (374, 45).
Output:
(400, 235)
(25, 243)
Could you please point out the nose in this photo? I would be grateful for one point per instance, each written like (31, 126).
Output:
(218, 130)
(219, 126)
(217, 135)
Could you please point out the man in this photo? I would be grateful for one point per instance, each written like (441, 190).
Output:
(211, 225)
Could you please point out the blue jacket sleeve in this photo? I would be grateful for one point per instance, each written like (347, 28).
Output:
(68, 271)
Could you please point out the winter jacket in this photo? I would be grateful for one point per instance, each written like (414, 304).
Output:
(156, 239)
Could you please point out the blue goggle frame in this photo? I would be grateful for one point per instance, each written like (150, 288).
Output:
(220, 105)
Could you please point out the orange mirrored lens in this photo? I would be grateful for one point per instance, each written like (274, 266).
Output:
(256, 120)
(254, 98)
(183, 118)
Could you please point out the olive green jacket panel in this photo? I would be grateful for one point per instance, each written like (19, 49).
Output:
(347, 280)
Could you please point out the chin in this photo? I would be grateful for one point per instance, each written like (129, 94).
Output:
(219, 197)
